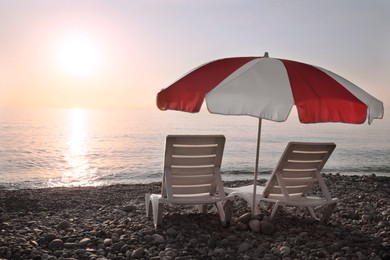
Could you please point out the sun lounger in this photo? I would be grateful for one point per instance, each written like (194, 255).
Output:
(191, 176)
(298, 169)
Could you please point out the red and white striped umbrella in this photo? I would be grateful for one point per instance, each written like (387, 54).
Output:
(268, 88)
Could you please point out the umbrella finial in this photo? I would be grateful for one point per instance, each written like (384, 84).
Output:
(266, 55)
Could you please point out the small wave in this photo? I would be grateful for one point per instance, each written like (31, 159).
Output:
(143, 178)
(383, 170)
(22, 185)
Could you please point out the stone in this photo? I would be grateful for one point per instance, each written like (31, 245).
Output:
(158, 238)
(267, 227)
(224, 242)
(50, 237)
(124, 248)
(244, 218)
(242, 226)
(285, 250)
(69, 245)
(84, 242)
(129, 208)
(255, 225)
(212, 243)
(137, 253)
(366, 217)
(232, 239)
(64, 225)
(128, 253)
(244, 247)
(56, 244)
(172, 232)
(219, 251)
(107, 242)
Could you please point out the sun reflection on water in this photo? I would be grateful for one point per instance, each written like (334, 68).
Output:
(77, 171)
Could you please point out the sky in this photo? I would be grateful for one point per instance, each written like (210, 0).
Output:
(120, 54)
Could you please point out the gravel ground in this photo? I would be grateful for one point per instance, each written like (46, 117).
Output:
(109, 222)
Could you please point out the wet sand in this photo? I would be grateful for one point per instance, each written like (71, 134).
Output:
(109, 222)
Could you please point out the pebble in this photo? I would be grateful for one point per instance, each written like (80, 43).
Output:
(158, 238)
(244, 247)
(107, 242)
(64, 225)
(242, 226)
(245, 218)
(70, 245)
(50, 237)
(255, 225)
(56, 244)
(84, 242)
(129, 208)
(224, 242)
(284, 251)
(137, 253)
(267, 227)
(172, 232)
(212, 243)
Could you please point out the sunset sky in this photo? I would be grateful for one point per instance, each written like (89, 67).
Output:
(119, 54)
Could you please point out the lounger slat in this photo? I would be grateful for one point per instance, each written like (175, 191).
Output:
(301, 174)
(317, 147)
(194, 139)
(306, 156)
(192, 170)
(193, 179)
(190, 189)
(197, 150)
(292, 171)
(298, 181)
(309, 164)
(193, 161)
(290, 189)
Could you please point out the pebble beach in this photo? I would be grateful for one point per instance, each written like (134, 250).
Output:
(109, 222)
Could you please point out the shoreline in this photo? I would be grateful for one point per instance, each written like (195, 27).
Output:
(227, 176)
(109, 222)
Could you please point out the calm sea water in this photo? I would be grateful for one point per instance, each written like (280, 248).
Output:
(49, 148)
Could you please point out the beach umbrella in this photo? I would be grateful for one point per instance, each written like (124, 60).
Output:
(268, 88)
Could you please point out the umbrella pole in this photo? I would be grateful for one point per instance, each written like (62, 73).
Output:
(256, 167)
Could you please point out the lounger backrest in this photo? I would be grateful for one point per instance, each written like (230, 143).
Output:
(297, 170)
(192, 166)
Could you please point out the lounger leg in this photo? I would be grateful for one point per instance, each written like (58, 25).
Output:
(275, 210)
(157, 210)
(148, 206)
(225, 212)
(312, 213)
(202, 208)
(228, 208)
(221, 213)
(328, 212)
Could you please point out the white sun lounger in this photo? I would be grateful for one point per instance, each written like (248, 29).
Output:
(298, 169)
(191, 176)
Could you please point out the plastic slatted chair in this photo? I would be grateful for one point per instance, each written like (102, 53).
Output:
(191, 176)
(298, 169)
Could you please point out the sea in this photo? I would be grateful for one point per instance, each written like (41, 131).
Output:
(42, 148)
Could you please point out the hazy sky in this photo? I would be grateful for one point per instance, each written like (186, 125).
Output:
(114, 54)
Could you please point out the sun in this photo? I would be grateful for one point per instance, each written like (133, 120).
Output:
(78, 55)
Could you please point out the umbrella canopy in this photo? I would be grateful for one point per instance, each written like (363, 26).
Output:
(268, 88)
